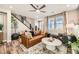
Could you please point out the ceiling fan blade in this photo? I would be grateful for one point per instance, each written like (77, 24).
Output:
(33, 6)
(42, 7)
(32, 10)
(43, 11)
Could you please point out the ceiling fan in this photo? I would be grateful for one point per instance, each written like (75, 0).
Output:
(37, 8)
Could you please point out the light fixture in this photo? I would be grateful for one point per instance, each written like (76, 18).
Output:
(37, 11)
(10, 7)
(39, 19)
(67, 5)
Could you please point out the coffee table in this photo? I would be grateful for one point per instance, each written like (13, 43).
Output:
(51, 45)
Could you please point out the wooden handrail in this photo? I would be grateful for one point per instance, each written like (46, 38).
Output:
(20, 20)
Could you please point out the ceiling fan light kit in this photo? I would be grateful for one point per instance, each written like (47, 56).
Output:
(37, 10)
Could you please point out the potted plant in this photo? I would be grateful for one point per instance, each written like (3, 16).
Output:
(14, 23)
(75, 46)
(1, 26)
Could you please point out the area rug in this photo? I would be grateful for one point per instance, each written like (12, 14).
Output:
(39, 49)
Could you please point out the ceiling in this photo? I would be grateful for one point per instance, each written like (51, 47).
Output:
(23, 9)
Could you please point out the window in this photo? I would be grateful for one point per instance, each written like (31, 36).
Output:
(56, 23)
(3, 27)
(50, 24)
(40, 24)
(59, 22)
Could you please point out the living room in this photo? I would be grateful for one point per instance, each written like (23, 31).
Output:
(39, 28)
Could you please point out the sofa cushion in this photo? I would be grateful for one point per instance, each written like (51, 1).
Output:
(37, 37)
(28, 35)
(35, 40)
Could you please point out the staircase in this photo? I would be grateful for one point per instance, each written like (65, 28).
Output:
(23, 20)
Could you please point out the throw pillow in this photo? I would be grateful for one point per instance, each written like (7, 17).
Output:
(28, 35)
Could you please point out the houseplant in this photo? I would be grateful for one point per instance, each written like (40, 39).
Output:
(75, 46)
(1, 26)
(14, 23)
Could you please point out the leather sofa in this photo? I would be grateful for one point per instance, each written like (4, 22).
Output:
(30, 42)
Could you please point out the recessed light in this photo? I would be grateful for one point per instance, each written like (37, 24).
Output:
(10, 7)
(68, 5)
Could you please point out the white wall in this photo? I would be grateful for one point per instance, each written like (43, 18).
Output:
(21, 27)
(31, 21)
(45, 29)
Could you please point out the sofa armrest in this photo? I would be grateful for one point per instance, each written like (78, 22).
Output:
(25, 41)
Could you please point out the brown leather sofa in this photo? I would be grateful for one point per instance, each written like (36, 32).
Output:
(30, 42)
